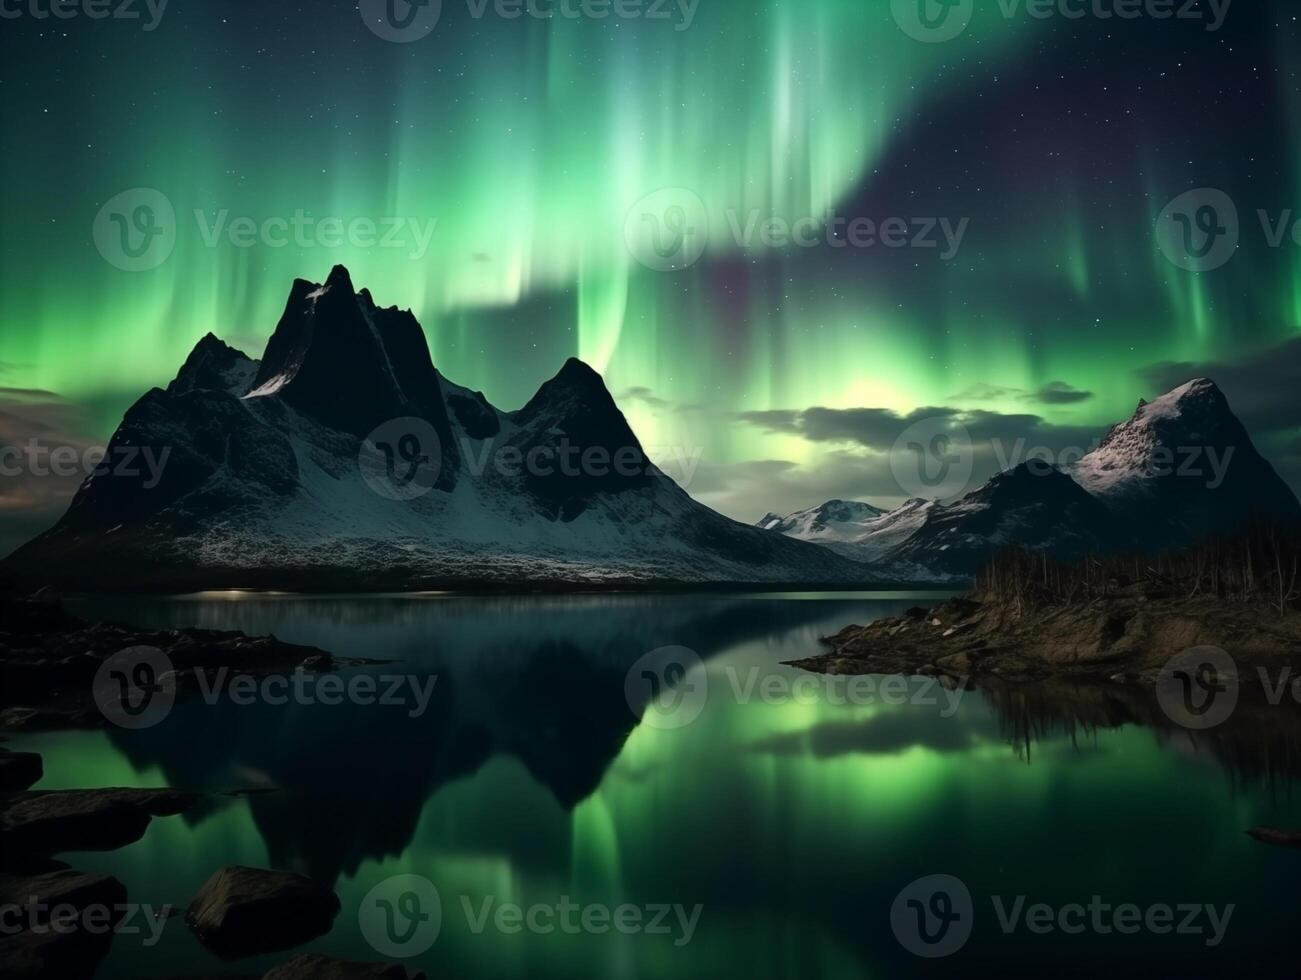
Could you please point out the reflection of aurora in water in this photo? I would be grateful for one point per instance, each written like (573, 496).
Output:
(793, 824)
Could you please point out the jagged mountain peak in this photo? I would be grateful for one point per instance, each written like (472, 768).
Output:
(215, 365)
(577, 374)
(1195, 417)
(296, 479)
(330, 360)
(576, 392)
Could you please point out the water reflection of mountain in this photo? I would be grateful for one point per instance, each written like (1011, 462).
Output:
(1259, 745)
(539, 680)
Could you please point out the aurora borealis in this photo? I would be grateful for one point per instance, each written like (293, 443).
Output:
(522, 143)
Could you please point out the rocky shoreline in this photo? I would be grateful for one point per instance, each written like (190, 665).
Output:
(49, 658)
(1125, 635)
(239, 912)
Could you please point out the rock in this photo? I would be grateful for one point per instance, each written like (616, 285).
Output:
(69, 953)
(1276, 836)
(247, 911)
(312, 966)
(83, 820)
(958, 664)
(19, 771)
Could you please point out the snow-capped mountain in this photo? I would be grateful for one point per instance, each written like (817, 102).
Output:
(836, 520)
(852, 528)
(1032, 506)
(344, 460)
(1181, 468)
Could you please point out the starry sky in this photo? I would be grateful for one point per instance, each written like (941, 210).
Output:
(521, 182)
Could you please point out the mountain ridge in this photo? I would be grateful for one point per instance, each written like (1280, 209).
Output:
(343, 460)
(1180, 468)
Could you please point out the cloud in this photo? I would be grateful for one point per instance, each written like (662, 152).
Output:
(986, 393)
(647, 396)
(748, 491)
(31, 497)
(1261, 389)
(1053, 393)
(879, 429)
(643, 395)
(855, 458)
(1059, 393)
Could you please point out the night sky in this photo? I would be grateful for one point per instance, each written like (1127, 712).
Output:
(531, 144)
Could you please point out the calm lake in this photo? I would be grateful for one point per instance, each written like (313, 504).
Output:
(756, 822)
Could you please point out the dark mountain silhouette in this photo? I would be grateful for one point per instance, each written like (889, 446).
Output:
(344, 461)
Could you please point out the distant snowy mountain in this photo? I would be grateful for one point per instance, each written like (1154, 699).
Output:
(836, 520)
(1181, 468)
(851, 528)
(344, 460)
